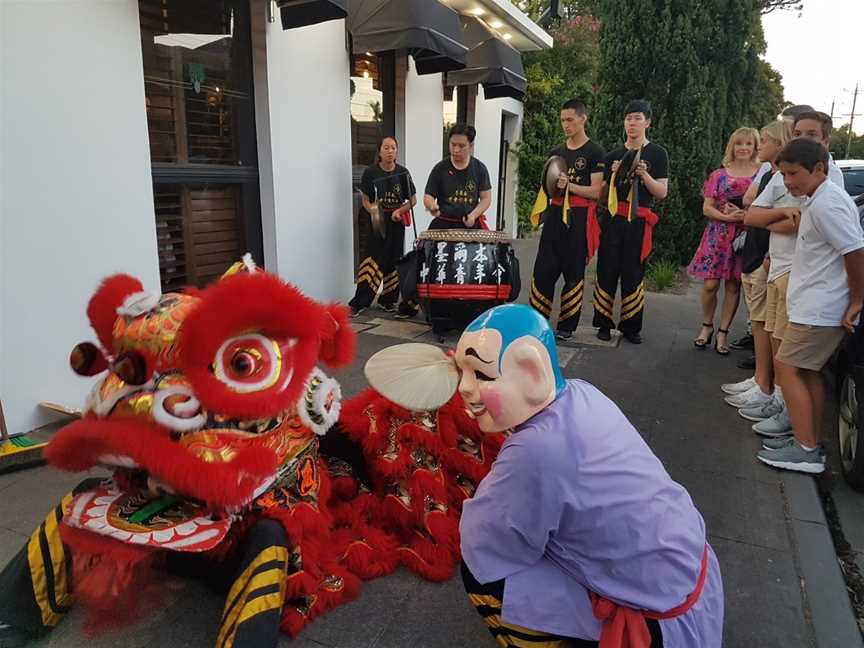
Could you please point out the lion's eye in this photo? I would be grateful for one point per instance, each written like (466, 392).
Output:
(249, 363)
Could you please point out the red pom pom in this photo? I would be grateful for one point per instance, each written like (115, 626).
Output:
(102, 309)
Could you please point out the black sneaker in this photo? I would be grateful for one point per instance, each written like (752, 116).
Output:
(405, 312)
(563, 336)
(356, 310)
(633, 338)
(748, 363)
(744, 342)
(387, 308)
(604, 334)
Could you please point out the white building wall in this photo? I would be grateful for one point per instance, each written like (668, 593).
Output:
(423, 116)
(306, 200)
(487, 148)
(77, 198)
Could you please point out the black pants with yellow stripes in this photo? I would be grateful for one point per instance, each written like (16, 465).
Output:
(618, 259)
(563, 248)
(36, 588)
(379, 266)
(488, 600)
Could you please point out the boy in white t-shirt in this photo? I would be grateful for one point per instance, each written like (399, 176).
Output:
(777, 210)
(824, 299)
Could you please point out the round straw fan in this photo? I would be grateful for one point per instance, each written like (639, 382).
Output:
(415, 376)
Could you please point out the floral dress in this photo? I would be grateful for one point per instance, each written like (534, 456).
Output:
(715, 258)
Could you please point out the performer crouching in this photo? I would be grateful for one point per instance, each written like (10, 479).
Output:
(388, 196)
(578, 534)
(570, 234)
(637, 175)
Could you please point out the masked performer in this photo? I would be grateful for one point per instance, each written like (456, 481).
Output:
(578, 532)
(570, 235)
(388, 196)
(636, 176)
(458, 191)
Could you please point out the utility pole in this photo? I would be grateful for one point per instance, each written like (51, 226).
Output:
(851, 120)
(832, 110)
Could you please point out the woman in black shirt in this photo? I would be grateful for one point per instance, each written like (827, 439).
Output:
(388, 196)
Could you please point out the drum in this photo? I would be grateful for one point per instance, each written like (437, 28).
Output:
(461, 273)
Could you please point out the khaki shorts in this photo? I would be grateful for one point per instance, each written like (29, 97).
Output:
(809, 347)
(756, 293)
(776, 318)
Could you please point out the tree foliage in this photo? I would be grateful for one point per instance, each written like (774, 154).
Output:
(699, 64)
(840, 140)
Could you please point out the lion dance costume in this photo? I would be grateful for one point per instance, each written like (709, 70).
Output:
(228, 462)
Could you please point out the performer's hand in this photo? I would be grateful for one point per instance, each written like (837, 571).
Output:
(615, 165)
(642, 170)
(563, 181)
(396, 216)
(469, 220)
(435, 210)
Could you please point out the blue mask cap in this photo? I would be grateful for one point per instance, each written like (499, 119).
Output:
(514, 321)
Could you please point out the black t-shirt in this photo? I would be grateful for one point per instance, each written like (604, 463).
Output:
(582, 162)
(458, 191)
(392, 188)
(656, 159)
(756, 243)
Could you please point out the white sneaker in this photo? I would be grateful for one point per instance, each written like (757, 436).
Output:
(739, 387)
(762, 412)
(753, 397)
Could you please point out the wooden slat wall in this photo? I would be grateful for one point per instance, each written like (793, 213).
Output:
(198, 233)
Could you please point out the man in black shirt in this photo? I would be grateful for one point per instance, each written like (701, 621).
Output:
(458, 191)
(636, 175)
(569, 238)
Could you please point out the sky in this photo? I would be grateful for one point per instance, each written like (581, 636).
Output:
(820, 55)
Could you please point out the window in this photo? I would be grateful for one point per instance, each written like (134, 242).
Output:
(197, 59)
(373, 104)
(854, 181)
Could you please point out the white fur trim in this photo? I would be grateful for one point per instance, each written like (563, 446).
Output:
(167, 419)
(139, 303)
(311, 406)
(249, 262)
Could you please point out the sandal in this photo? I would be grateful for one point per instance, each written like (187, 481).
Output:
(700, 343)
(724, 348)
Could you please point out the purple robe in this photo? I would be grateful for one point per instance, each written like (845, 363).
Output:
(576, 501)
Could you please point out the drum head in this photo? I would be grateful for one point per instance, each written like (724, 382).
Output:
(554, 167)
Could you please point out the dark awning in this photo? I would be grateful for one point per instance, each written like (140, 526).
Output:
(491, 62)
(430, 31)
(299, 13)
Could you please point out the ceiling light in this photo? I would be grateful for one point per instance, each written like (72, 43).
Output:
(507, 36)
(479, 11)
(496, 24)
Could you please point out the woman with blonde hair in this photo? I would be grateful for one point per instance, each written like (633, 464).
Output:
(717, 259)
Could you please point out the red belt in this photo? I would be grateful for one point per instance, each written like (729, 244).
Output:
(625, 627)
(592, 226)
(651, 219)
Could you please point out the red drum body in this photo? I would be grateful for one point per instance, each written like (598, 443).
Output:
(461, 273)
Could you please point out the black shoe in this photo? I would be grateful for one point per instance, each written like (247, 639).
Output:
(387, 308)
(633, 338)
(604, 334)
(744, 342)
(748, 363)
(563, 336)
(356, 310)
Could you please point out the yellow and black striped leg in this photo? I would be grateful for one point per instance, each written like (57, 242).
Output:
(571, 306)
(632, 309)
(487, 599)
(390, 292)
(603, 304)
(36, 585)
(369, 277)
(253, 609)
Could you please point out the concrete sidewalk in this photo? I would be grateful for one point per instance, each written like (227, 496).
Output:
(783, 585)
